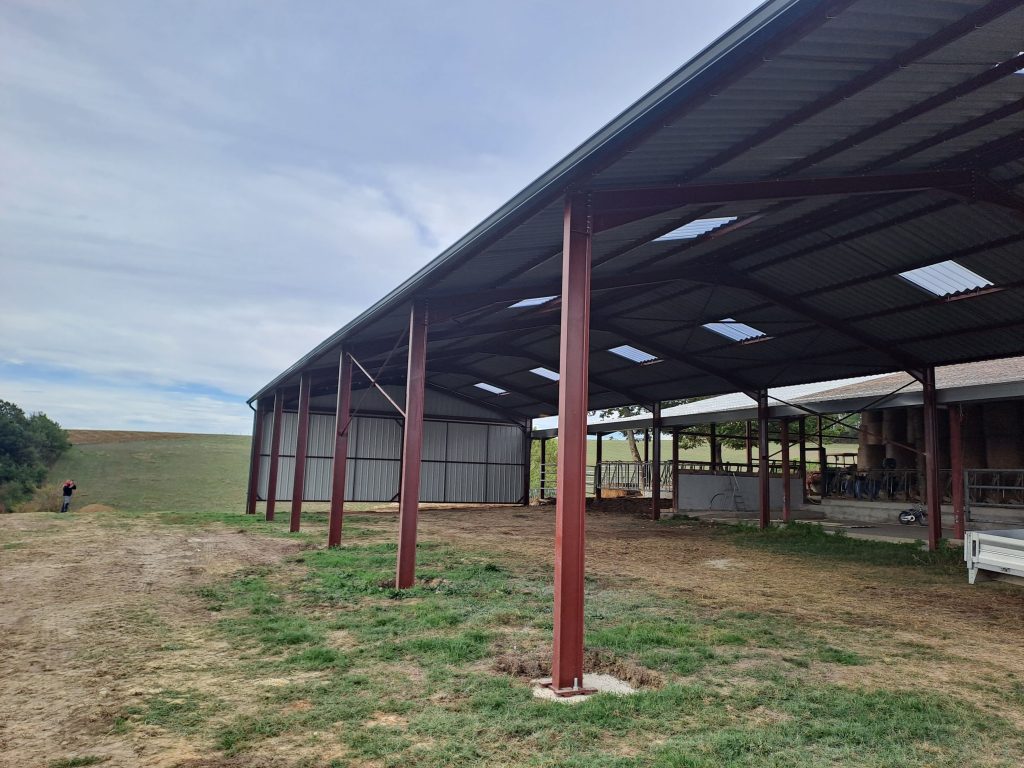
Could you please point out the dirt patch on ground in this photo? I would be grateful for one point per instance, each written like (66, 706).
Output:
(93, 618)
(536, 663)
(96, 617)
(94, 508)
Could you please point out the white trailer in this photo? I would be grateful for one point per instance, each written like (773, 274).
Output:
(995, 555)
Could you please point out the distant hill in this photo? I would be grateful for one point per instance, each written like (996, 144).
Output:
(154, 471)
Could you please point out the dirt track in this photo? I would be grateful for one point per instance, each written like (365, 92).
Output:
(85, 608)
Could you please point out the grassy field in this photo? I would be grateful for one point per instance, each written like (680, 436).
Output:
(148, 472)
(188, 636)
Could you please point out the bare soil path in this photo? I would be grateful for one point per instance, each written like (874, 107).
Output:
(96, 612)
(84, 610)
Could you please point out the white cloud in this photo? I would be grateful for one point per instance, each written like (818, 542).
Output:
(194, 196)
(106, 406)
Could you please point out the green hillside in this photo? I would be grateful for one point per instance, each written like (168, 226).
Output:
(146, 472)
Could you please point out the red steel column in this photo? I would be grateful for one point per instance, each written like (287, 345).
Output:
(675, 469)
(301, 444)
(597, 467)
(764, 489)
(275, 454)
(956, 460)
(567, 658)
(342, 422)
(254, 459)
(412, 446)
(933, 491)
(787, 501)
(656, 463)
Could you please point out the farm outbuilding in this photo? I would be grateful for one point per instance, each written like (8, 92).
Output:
(471, 453)
(833, 188)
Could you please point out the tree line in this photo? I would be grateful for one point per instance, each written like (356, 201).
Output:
(29, 445)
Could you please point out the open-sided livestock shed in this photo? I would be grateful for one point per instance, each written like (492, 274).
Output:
(830, 189)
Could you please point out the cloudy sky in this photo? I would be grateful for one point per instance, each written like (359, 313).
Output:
(194, 194)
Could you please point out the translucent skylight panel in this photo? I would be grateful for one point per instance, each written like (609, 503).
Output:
(491, 388)
(696, 228)
(946, 278)
(633, 354)
(734, 330)
(534, 302)
(547, 373)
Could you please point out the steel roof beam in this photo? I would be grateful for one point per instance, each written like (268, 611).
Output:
(455, 304)
(958, 29)
(614, 207)
(989, 76)
(823, 319)
(667, 353)
(599, 380)
(527, 393)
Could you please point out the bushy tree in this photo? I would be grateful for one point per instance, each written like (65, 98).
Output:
(28, 446)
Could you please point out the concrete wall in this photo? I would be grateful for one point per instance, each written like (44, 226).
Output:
(704, 492)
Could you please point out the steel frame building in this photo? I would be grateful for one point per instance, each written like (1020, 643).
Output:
(830, 189)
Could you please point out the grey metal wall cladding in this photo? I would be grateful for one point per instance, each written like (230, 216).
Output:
(375, 480)
(285, 477)
(466, 482)
(378, 439)
(436, 404)
(504, 481)
(467, 442)
(289, 432)
(505, 444)
(435, 440)
(317, 485)
(261, 487)
(479, 463)
(268, 430)
(432, 475)
(321, 434)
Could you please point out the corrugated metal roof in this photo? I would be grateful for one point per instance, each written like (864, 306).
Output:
(799, 89)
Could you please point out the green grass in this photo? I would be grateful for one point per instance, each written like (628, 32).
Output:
(812, 540)
(77, 762)
(181, 711)
(414, 683)
(186, 474)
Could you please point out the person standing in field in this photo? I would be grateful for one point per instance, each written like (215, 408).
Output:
(69, 488)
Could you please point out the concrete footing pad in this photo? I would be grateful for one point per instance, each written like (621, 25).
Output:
(597, 683)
